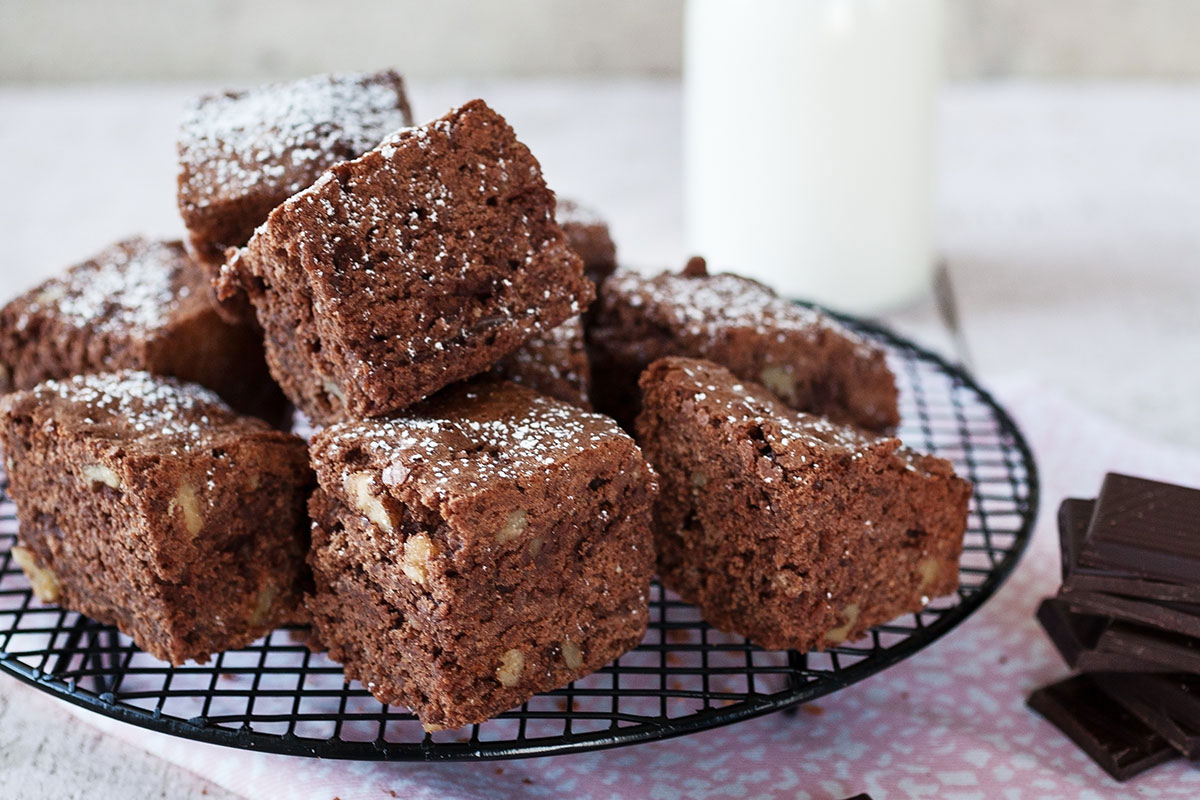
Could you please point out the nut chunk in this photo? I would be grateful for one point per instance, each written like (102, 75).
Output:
(147, 504)
(489, 544)
(423, 262)
(809, 360)
(786, 528)
(243, 153)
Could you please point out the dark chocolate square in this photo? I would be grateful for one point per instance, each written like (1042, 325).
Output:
(1120, 743)
(1145, 528)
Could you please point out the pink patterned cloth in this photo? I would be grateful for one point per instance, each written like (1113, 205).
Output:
(948, 723)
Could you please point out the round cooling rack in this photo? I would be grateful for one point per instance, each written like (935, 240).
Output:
(278, 696)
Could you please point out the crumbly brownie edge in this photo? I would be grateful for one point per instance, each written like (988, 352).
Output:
(743, 527)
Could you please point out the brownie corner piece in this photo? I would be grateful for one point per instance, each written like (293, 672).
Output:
(137, 304)
(243, 153)
(489, 544)
(148, 504)
(422, 263)
(809, 360)
(789, 529)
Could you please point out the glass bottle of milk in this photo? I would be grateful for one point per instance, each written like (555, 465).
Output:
(808, 136)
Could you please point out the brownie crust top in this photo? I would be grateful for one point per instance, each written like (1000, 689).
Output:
(275, 140)
(792, 437)
(703, 308)
(133, 288)
(161, 414)
(468, 436)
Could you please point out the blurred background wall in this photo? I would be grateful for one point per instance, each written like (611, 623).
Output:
(86, 40)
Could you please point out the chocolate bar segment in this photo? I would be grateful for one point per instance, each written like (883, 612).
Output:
(1120, 743)
(1077, 636)
(1167, 704)
(1175, 617)
(1164, 651)
(1145, 528)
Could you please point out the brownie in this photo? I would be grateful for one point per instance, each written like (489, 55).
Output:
(487, 545)
(243, 153)
(553, 363)
(589, 237)
(787, 528)
(138, 304)
(147, 503)
(424, 262)
(809, 360)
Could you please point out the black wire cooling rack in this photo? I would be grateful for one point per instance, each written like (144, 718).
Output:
(278, 696)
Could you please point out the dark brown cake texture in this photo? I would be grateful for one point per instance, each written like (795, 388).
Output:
(811, 362)
(421, 263)
(138, 304)
(786, 528)
(148, 504)
(554, 363)
(589, 237)
(487, 545)
(243, 153)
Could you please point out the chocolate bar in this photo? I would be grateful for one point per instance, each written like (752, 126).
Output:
(1074, 518)
(1176, 617)
(1167, 704)
(1076, 637)
(1146, 529)
(1163, 651)
(1120, 743)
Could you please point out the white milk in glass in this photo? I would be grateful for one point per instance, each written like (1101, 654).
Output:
(808, 134)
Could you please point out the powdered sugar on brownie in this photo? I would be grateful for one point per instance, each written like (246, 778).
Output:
(708, 306)
(133, 288)
(139, 405)
(469, 436)
(422, 262)
(280, 137)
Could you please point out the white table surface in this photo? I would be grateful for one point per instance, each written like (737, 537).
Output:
(1069, 216)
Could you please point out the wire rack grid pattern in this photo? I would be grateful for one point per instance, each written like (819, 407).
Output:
(278, 696)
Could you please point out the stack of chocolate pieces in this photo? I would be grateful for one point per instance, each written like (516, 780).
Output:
(1127, 617)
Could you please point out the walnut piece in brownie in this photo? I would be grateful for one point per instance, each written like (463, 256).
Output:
(589, 237)
(811, 362)
(554, 363)
(148, 504)
(423, 262)
(784, 527)
(243, 153)
(487, 545)
(138, 304)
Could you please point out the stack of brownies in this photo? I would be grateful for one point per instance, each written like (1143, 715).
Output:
(1127, 616)
(463, 530)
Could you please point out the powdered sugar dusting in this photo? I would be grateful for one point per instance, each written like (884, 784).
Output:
(707, 306)
(793, 437)
(139, 405)
(276, 139)
(472, 437)
(132, 289)
(552, 354)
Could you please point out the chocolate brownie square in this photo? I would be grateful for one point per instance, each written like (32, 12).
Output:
(554, 363)
(148, 504)
(589, 237)
(243, 153)
(138, 304)
(786, 528)
(421, 263)
(811, 362)
(487, 545)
